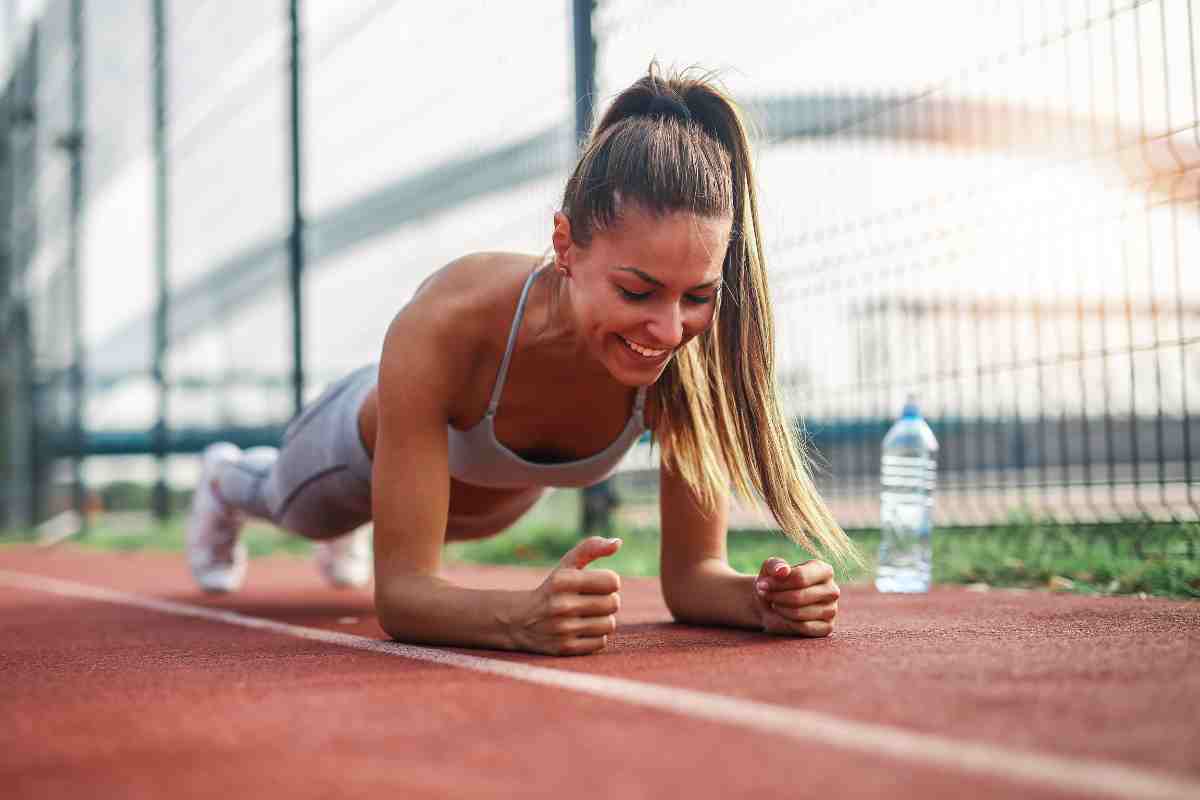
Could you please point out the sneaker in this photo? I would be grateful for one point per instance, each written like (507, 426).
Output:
(345, 562)
(216, 557)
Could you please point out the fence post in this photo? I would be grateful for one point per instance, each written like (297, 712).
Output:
(598, 501)
(71, 142)
(161, 222)
(296, 238)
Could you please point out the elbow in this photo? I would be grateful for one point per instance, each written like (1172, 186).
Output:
(396, 607)
(389, 615)
(676, 597)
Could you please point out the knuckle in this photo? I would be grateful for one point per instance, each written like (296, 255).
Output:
(615, 602)
(794, 598)
(612, 624)
(612, 581)
(818, 628)
(577, 647)
(560, 604)
(560, 581)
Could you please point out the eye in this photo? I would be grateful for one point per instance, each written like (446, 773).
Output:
(636, 296)
(633, 295)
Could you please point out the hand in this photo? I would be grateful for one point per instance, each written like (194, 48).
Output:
(796, 601)
(573, 611)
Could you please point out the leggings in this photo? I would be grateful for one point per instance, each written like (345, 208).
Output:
(318, 483)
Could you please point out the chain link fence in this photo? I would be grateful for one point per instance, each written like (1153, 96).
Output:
(992, 205)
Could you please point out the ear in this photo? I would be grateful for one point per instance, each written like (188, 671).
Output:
(562, 237)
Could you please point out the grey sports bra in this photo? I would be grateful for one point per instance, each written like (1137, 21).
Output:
(478, 458)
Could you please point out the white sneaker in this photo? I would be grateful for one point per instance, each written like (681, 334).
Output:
(217, 558)
(345, 562)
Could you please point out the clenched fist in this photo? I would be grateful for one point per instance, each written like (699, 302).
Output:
(573, 611)
(799, 600)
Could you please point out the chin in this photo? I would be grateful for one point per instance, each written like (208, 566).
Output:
(635, 381)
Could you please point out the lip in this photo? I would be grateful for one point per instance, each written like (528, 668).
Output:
(640, 359)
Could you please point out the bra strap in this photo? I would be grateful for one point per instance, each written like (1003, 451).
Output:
(494, 403)
(639, 404)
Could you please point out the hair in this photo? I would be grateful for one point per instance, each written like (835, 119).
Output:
(679, 143)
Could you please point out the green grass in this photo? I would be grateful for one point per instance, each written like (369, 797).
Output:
(1012, 557)
(117, 533)
(1155, 559)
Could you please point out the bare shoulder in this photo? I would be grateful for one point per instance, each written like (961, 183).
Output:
(470, 294)
(476, 281)
(457, 313)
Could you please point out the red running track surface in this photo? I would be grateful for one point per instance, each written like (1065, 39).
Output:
(101, 699)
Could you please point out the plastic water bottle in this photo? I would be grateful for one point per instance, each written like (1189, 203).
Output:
(909, 474)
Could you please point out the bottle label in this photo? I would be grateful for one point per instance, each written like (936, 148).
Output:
(913, 473)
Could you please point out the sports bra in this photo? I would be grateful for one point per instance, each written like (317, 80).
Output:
(478, 458)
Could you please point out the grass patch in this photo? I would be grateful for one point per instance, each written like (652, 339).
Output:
(1154, 559)
(136, 532)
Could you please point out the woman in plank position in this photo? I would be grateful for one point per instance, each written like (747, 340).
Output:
(653, 314)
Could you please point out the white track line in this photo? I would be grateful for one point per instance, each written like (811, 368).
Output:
(1071, 774)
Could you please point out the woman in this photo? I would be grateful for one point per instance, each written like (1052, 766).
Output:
(653, 314)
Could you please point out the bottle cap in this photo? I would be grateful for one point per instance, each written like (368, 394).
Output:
(911, 411)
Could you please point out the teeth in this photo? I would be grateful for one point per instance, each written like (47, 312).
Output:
(644, 351)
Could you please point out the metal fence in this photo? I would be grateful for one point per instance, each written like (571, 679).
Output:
(991, 204)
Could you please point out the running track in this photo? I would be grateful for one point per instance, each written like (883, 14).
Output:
(118, 679)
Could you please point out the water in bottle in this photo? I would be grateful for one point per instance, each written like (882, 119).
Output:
(908, 476)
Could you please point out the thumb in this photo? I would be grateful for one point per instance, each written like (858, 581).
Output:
(588, 551)
(772, 567)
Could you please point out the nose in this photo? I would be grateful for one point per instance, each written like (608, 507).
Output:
(666, 327)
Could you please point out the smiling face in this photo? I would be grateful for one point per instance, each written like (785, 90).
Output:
(642, 289)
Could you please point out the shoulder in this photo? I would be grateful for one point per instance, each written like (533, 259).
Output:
(471, 289)
(456, 315)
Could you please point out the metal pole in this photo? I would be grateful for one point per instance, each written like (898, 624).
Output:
(597, 501)
(161, 219)
(585, 67)
(10, 479)
(296, 239)
(26, 159)
(72, 143)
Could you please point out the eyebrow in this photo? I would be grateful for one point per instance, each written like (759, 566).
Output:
(657, 282)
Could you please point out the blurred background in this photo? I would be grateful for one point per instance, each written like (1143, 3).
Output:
(209, 209)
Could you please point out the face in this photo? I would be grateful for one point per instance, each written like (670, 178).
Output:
(643, 289)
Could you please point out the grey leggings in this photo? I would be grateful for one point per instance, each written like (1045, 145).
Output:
(318, 484)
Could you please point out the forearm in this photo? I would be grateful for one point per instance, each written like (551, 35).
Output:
(430, 610)
(712, 593)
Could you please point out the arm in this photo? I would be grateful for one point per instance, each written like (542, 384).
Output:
(701, 588)
(698, 584)
(411, 487)
(427, 357)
